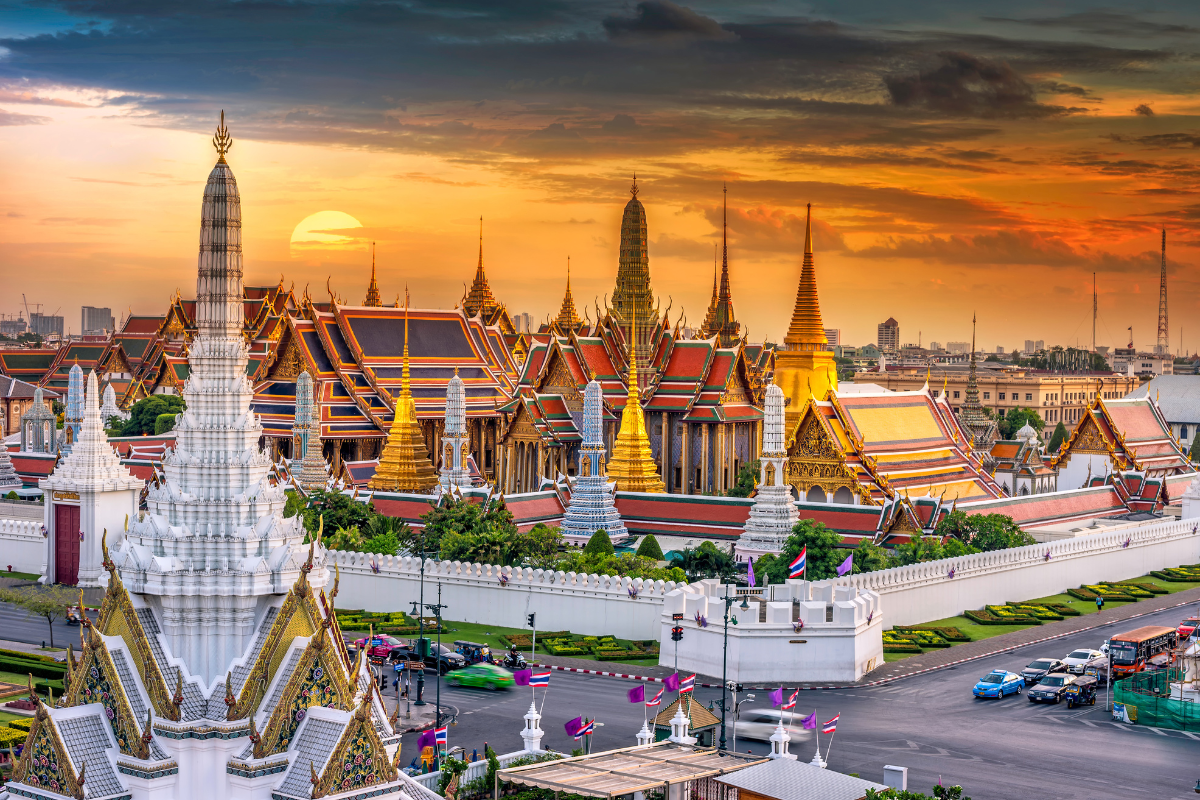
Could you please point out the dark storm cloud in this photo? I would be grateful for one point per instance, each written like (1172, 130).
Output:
(966, 85)
(1161, 140)
(657, 19)
(1104, 23)
(1143, 110)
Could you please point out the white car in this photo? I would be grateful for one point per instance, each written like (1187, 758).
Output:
(760, 724)
(1077, 660)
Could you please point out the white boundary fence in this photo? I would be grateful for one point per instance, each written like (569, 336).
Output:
(627, 608)
(938, 589)
(22, 545)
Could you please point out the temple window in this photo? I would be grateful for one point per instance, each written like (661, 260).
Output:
(987, 395)
(1028, 396)
(1002, 395)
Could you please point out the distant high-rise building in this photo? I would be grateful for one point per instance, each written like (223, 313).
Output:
(45, 324)
(523, 322)
(97, 320)
(999, 350)
(834, 335)
(13, 327)
(958, 348)
(1033, 346)
(935, 345)
(888, 337)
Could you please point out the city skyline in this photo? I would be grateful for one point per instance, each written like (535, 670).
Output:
(952, 164)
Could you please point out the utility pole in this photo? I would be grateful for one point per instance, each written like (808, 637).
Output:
(436, 608)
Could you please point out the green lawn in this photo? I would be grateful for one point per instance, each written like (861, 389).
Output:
(12, 677)
(7, 717)
(978, 632)
(24, 576)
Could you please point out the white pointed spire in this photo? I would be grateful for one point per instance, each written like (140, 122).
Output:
(92, 465)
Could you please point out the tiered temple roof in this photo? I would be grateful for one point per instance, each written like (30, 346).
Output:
(1133, 432)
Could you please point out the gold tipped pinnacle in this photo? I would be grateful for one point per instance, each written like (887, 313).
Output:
(632, 465)
(222, 140)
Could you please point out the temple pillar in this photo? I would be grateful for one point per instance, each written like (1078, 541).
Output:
(703, 488)
(664, 451)
(685, 458)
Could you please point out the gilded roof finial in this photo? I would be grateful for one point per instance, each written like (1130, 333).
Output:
(633, 190)
(222, 140)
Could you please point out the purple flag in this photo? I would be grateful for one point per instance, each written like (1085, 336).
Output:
(846, 566)
(777, 697)
(810, 722)
(750, 571)
(521, 677)
(672, 682)
(637, 694)
(572, 727)
(427, 739)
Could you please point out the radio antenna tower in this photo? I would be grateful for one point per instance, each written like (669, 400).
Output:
(1164, 333)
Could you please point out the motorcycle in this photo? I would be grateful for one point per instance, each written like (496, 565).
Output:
(515, 661)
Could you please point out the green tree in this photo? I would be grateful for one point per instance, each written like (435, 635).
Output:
(984, 532)
(707, 561)
(539, 547)
(764, 567)
(1058, 437)
(939, 793)
(747, 479)
(823, 557)
(1016, 418)
(870, 557)
(599, 544)
(144, 415)
(48, 602)
(1195, 454)
(164, 423)
(649, 548)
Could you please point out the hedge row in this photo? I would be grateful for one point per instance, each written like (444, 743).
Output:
(526, 640)
(28, 656)
(22, 724)
(1188, 573)
(985, 617)
(32, 666)
(949, 634)
(12, 736)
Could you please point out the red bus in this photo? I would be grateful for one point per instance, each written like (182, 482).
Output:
(1131, 650)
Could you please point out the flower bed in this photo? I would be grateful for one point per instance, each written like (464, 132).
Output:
(1188, 573)
(986, 617)
(1134, 589)
(12, 736)
(1035, 610)
(949, 634)
(894, 642)
(23, 724)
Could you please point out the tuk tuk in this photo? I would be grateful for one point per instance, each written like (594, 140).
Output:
(1081, 692)
(1097, 668)
(473, 652)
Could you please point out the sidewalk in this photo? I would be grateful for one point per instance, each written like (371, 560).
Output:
(58, 653)
(949, 656)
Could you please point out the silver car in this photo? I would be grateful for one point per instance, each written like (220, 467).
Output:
(761, 724)
(1077, 660)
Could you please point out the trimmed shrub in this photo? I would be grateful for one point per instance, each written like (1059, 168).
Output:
(1153, 588)
(23, 724)
(949, 634)
(985, 617)
(650, 548)
(37, 668)
(599, 544)
(12, 736)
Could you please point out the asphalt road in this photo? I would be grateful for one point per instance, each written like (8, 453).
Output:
(17, 626)
(1008, 749)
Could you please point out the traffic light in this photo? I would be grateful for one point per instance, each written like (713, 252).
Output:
(676, 634)
(531, 618)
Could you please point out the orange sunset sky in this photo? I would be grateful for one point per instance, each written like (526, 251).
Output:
(959, 156)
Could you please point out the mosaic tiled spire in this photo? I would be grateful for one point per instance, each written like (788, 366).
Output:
(773, 513)
(632, 465)
(723, 323)
(213, 539)
(373, 298)
(568, 318)
(479, 300)
(9, 479)
(592, 508)
(73, 416)
(92, 463)
(805, 368)
(455, 442)
(712, 304)
(632, 298)
(404, 465)
(308, 468)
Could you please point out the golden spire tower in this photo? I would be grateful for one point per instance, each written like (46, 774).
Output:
(632, 464)
(373, 297)
(404, 464)
(568, 318)
(805, 367)
(480, 301)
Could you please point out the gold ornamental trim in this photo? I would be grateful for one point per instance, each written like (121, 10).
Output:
(66, 495)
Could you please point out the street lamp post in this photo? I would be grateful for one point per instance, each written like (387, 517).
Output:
(417, 606)
(436, 608)
(728, 598)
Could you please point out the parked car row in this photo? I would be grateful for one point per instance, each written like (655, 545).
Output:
(1048, 680)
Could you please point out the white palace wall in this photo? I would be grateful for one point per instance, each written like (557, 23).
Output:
(627, 608)
(924, 592)
(22, 545)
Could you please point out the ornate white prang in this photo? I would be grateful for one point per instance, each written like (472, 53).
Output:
(214, 540)
(454, 472)
(773, 514)
(73, 417)
(313, 472)
(592, 507)
(109, 407)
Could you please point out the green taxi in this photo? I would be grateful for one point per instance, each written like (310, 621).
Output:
(485, 676)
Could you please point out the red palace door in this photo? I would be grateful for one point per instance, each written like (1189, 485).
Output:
(66, 544)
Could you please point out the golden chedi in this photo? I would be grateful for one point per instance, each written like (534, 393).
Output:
(632, 465)
(404, 465)
(805, 367)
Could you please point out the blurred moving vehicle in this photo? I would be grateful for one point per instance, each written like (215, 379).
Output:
(1077, 660)
(380, 648)
(1130, 651)
(484, 676)
(473, 652)
(443, 661)
(998, 683)
(761, 723)
(1051, 688)
(1041, 668)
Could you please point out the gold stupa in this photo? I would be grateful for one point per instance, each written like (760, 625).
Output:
(632, 464)
(805, 367)
(404, 465)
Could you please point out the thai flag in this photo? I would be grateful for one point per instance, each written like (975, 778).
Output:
(541, 679)
(791, 703)
(440, 735)
(687, 684)
(796, 568)
(657, 699)
(586, 730)
(831, 726)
